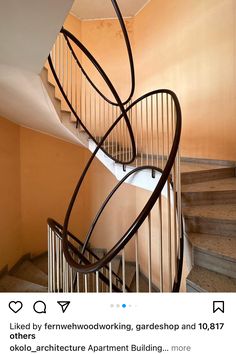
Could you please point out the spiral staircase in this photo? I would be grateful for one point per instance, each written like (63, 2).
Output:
(138, 140)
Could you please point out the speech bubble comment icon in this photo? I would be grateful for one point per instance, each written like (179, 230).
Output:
(39, 307)
(15, 306)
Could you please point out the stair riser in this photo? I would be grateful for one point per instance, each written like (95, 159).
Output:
(203, 176)
(215, 263)
(210, 226)
(208, 198)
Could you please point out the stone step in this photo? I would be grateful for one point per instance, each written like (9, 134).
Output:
(222, 191)
(214, 252)
(9, 283)
(219, 219)
(31, 273)
(207, 175)
(41, 262)
(203, 280)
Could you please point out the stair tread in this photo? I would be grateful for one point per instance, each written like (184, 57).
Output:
(204, 280)
(30, 272)
(188, 167)
(9, 283)
(226, 184)
(220, 212)
(222, 246)
(42, 263)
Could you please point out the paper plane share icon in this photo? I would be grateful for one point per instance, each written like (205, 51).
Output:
(64, 305)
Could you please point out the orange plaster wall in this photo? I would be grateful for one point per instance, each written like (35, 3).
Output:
(189, 47)
(10, 235)
(104, 39)
(50, 169)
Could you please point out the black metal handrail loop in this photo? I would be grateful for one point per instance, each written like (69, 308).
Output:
(145, 211)
(130, 56)
(56, 227)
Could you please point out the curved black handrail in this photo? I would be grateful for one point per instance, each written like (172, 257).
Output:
(88, 267)
(145, 211)
(114, 92)
(130, 56)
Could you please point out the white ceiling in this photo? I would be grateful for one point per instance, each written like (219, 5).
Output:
(95, 9)
(28, 30)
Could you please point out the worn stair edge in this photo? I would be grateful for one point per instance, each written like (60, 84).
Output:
(204, 280)
(207, 175)
(208, 198)
(215, 263)
(222, 246)
(205, 225)
(31, 273)
(10, 283)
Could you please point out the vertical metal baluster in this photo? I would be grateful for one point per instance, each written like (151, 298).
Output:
(117, 132)
(147, 133)
(168, 199)
(132, 124)
(123, 138)
(85, 101)
(57, 265)
(76, 87)
(163, 133)
(90, 109)
(152, 132)
(80, 96)
(157, 127)
(97, 282)
(110, 124)
(49, 260)
(141, 120)
(53, 263)
(56, 51)
(66, 70)
(161, 244)
(149, 253)
(58, 58)
(110, 277)
(126, 138)
(71, 279)
(64, 61)
(94, 129)
(101, 132)
(64, 280)
(77, 282)
(71, 79)
(137, 261)
(123, 269)
(85, 283)
(53, 55)
(136, 133)
(62, 53)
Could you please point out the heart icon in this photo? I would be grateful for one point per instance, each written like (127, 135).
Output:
(15, 306)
